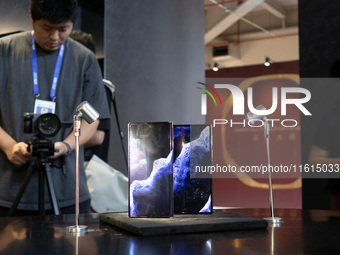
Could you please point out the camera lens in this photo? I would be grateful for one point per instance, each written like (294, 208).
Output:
(48, 124)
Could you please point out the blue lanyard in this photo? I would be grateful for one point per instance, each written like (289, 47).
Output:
(35, 70)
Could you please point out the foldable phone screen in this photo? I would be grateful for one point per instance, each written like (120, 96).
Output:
(192, 147)
(150, 169)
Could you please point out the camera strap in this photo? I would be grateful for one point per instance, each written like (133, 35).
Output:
(56, 70)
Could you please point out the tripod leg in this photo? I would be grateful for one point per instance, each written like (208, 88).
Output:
(119, 130)
(41, 188)
(22, 189)
(51, 191)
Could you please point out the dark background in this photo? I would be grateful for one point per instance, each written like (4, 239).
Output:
(319, 49)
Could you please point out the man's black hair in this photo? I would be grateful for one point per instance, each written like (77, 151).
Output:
(55, 11)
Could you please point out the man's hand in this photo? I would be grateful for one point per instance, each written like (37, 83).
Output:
(60, 149)
(19, 154)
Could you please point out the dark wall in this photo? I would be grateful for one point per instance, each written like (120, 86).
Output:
(319, 49)
(154, 52)
(14, 16)
(92, 21)
(319, 37)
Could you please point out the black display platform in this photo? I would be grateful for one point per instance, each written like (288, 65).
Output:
(183, 223)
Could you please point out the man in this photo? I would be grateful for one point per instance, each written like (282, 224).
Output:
(44, 69)
(99, 143)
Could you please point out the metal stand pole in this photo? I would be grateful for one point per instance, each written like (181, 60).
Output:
(274, 221)
(77, 229)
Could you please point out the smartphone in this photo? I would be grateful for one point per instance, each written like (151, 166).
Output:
(192, 148)
(150, 169)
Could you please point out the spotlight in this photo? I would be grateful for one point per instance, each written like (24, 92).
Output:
(215, 68)
(87, 112)
(267, 61)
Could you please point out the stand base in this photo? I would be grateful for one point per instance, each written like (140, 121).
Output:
(274, 221)
(77, 230)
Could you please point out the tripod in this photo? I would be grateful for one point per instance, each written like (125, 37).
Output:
(43, 166)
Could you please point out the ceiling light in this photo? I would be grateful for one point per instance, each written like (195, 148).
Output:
(267, 61)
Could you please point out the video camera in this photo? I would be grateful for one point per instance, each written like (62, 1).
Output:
(43, 125)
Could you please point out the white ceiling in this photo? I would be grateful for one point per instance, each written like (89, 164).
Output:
(231, 20)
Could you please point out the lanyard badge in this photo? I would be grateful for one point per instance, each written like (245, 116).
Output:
(43, 106)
